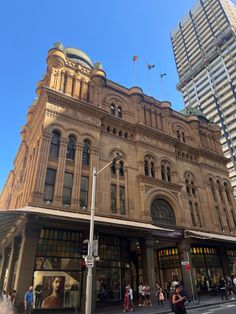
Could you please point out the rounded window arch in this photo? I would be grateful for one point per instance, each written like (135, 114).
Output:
(86, 153)
(119, 112)
(162, 212)
(70, 154)
(55, 144)
(113, 109)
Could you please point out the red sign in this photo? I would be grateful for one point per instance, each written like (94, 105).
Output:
(187, 266)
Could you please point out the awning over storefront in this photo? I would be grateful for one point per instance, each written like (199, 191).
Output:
(208, 235)
(10, 225)
(66, 215)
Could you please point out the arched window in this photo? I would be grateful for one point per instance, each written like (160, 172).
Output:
(152, 169)
(86, 153)
(183, 137)
(119, 112)
(212, 189)
(70, 154)
(64, 83)
(165, 171)
(121, 168)
(113, 167)
(145, 167)
(227, 192)
(220, 191)
(55, 144)
(113, 109)
(178, 134)
(162, 212)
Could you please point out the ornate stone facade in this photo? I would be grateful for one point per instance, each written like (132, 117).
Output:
(167, 156)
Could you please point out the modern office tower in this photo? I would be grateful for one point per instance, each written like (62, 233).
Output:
(204, 48)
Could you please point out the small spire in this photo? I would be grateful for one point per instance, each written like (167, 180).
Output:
(58, 45)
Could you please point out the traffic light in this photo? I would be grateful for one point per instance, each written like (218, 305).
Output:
(83, 265)
(84, 248)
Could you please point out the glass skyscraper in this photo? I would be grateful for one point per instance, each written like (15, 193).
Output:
(204, 45)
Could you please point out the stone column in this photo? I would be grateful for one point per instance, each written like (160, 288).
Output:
(188, 279)
(148, 259)
(41, 168)
(12, 258)
(62, 82)
(26, 264)
(75, 204)
(60, 172)
(4, 265)
(126, 190)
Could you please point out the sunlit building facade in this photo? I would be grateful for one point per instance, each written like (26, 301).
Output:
(166, 207)
(204, 45)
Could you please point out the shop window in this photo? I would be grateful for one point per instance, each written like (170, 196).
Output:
(55, 144)
(162, 212)
(58, 264)
(113, 198)
(70, 154)
(86, 153)
(67, 189)
(84, 192)
(49, 185)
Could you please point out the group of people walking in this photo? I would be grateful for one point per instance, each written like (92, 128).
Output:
(8, 298)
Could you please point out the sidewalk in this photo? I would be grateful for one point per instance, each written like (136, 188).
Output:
(204, 301)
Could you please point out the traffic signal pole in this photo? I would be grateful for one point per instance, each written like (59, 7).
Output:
(90, 258)
(89, 292)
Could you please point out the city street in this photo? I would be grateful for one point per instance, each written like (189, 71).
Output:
(219, 309)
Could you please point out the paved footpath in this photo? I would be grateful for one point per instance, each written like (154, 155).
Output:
(205, 301)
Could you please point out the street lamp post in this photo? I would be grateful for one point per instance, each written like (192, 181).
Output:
(90, 258)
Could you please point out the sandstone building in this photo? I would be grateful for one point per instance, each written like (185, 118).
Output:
(168, 201)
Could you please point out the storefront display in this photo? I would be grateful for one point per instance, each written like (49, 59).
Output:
(169, 265)
(57, 276)
(207, 268)
(232, 261)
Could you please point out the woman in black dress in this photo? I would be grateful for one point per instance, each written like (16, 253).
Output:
(178, 301)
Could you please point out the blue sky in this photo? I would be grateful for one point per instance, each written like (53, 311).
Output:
(110, 31)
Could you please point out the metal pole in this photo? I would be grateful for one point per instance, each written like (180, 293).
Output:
(89, 283)
(190, 275)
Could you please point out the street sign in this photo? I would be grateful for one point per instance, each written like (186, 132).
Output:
(184, 263)
(89, 261)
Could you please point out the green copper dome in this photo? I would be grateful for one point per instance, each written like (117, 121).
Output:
(195, 112)
(79, 56)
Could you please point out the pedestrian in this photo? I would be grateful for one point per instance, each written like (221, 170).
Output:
(234, 284)
(222, 287)
(229, 285)
(178, 301)
(28, 300)
(147, 295)
(158, 287)
(11, 298)
(126, 300)
(140, 290)
(131, 299)
(4, 297)
(161, 297)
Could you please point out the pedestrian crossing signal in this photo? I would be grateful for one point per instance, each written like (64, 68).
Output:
(83, 265)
